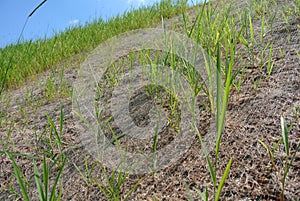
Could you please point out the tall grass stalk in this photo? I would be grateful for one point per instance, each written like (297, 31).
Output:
(221, 39)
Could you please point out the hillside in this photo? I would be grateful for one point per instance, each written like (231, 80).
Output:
(255, 45)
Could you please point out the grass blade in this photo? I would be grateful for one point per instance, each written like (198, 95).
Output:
(53, 192)
(38, 182)
(219, 98)
(285, 135)
(210, 167)
(223, 180)
(133, 189)
(251, 30)
(262, 29)
(203, 196)
(19, 175)
(198, 19)
(45, 176)
(61, 121)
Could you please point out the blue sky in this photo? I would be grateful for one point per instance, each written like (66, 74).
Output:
(56, 15)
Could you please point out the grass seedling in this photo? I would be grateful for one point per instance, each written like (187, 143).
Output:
(22, 180)
(270, 22)
(270, 62)
(56, 86)
(87, 174)
(45, 193)
(57, 134)
(42, 182)
(221, 37)
(251, 29)
(285, 15)
(289, 158)
(256, 83)
(50, 89)
(154, 147)
(113, 189)
(288, 162)
(43, 190)
(262, 32)
(271, 151)
(6, 142)
(221, 105)
(213, 173)
(220, 118)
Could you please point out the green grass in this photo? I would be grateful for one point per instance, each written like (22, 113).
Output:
(214, 29)
(51, 157)
(28, 59)
(289, 159)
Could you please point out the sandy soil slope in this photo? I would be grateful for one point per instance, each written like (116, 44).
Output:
(253, 114)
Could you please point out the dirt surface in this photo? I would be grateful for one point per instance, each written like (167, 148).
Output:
(253, 114)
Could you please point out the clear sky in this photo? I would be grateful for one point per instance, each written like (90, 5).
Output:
(56, 15)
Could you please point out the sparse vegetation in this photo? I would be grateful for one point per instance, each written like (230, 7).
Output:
(236, 42)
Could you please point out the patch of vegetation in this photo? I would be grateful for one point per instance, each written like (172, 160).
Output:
(26, 60)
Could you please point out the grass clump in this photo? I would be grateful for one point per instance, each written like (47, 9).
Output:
(52, 160)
